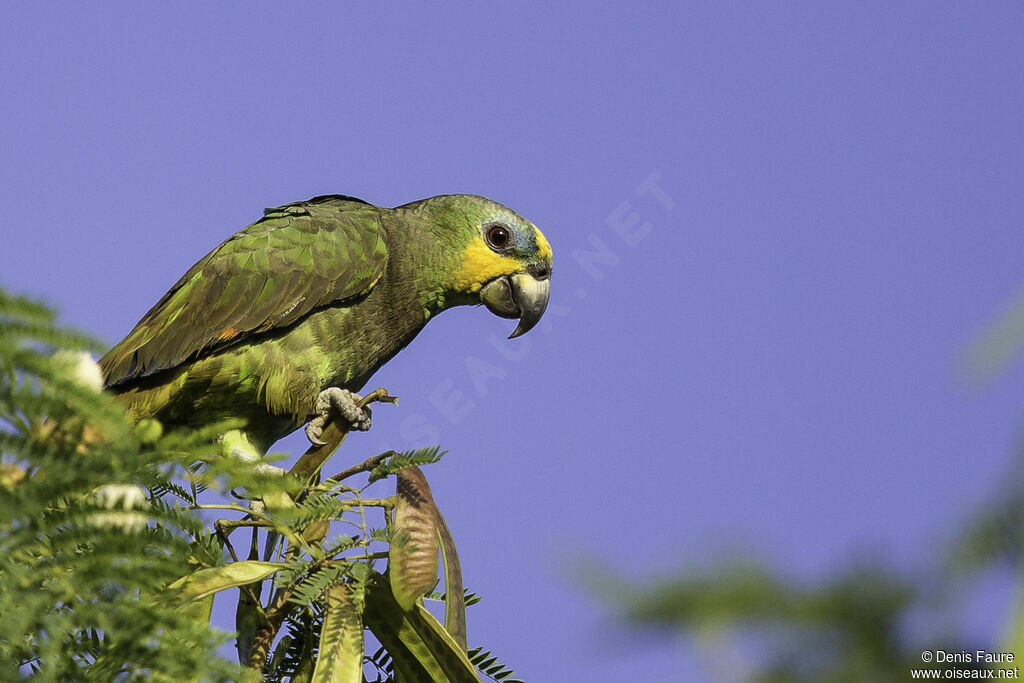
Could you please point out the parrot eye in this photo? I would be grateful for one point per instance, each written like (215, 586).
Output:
(498, 236)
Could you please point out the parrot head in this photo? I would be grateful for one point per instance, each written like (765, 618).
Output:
(499, 259)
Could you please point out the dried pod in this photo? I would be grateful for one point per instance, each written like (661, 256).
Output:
(412, 555)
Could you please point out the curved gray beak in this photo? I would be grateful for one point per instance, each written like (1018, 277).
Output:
(517, 296)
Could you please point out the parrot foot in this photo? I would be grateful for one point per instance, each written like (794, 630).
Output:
(237, 444)
(342, 403)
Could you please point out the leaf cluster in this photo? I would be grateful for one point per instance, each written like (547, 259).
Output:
(742, 616)
(853, 625)
(85, 546)
(115, 538)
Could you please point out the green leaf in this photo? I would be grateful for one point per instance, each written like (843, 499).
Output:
(455, 598)
(201, 611)
(399, 461)
(412, 554)
(212, 580)
(421, 648)
(304, 671)
(340, 659)
(489, 665)
(249, 618)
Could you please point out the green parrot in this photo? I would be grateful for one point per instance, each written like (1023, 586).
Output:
(285, 320)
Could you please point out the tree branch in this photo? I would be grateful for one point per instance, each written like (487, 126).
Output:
(315, 456)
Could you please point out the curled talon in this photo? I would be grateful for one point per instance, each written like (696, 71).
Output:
(342, 404)
(314, 429)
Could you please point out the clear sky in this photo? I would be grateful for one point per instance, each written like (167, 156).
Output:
(776, 230)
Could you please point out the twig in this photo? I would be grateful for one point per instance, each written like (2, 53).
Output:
(366, 556)
(386, 503)
(365, 466)
(307, 468)
(267, 521)
(315, 456)
(275, 613)
(224, 536)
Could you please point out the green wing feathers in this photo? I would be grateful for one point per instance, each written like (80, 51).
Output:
(297, 258)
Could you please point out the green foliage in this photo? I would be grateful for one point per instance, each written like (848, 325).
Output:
(399, 461)
(341, 635)
(315, 582)
(852, 626)
(84, 552)
(469, 597)
(109, 562)
(743, 616)
(488, 665)
(421, 649)
(752, 623)
(994, 535)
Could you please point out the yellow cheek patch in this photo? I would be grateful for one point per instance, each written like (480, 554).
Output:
(480, 265)
(543, 248)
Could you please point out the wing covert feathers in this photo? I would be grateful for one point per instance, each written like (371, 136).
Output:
(297, 258)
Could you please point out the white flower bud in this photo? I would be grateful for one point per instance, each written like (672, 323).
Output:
(124, 496)
(81, 368)
(123, 501)
(126, 521)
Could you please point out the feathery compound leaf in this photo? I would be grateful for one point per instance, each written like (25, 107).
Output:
(169, 486)
(399, 461)
(381, 661)
(316, 507)
(316, 583)
(13, 307)
(205, 582)
(142, 600)
(489, 665)
(338, 545)
(412, 555)
(468, 596)
(81, 601)
(340, 659)
(295, 656)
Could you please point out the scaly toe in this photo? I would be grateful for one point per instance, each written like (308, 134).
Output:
(345, 405)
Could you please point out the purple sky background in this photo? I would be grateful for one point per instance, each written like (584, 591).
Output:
(775, 364)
